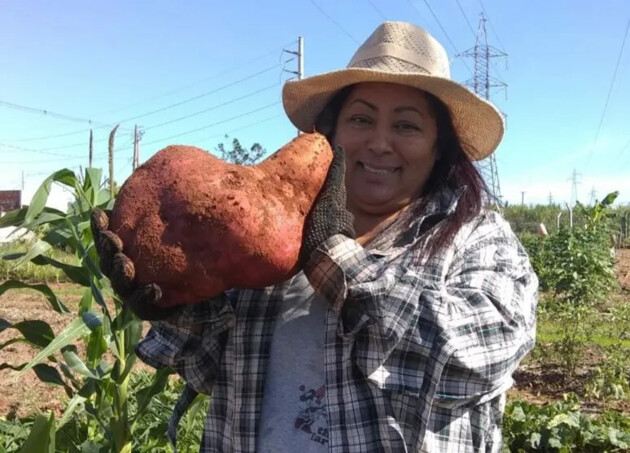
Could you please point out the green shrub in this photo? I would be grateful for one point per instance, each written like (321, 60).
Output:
(561, 427)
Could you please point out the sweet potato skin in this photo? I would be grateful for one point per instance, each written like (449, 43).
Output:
(197, 225)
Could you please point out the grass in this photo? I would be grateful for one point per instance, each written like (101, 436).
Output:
(31, 272)
(550, 332)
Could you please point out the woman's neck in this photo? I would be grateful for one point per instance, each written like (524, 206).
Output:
(367, 225)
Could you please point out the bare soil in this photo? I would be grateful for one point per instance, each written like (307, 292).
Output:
(535, 382)
(28, 395)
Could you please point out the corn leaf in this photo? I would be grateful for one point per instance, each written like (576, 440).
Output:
(74, 330)
(48, 374)
(42, 436)
(75, 403)
(35, 332)
(54, 302)
(75, 363)
(38, 202)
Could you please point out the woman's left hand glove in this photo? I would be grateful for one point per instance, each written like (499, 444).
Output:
(329, 215)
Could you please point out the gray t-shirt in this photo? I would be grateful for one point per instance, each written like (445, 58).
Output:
(294, 416)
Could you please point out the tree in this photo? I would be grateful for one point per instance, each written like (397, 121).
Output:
(240, 155)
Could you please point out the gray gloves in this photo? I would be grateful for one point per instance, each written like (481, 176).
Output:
(328, 215)
(140, 299)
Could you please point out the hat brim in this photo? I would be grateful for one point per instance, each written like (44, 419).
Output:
(478, 124)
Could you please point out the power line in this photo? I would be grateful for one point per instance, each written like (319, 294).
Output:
(65, 134)
(205, 79)
(51, 114)
(212, 124)
(623, 150)
(255, 123)
(190, 85)
(380, 13)
(81, 144)
(610, 88)
(207, 93)
(501, 46)
(321, 10)
(441, 27)
(214, 107)
(470, 27)
(28, 150)
(445, 33)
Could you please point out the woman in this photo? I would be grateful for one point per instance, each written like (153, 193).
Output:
(415, 304)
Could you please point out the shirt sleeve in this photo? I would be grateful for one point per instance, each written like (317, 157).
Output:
(470, 311)
(488, 314)
(191, 342)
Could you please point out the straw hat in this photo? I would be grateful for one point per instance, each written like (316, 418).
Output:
(400, 52)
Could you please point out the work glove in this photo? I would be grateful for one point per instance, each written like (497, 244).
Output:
(140, 299)
(329, 215)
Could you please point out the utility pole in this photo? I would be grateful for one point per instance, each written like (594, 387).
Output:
(300, 69)
(574, 183)
(550, 199)
(111, 160)
(481, 83)
(522, 198)
(91, 152)
(137, 136)
(593, 196)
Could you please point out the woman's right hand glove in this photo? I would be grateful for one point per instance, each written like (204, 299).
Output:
(140, 299)
(329, 214)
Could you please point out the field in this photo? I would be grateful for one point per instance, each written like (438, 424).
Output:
(536, 381)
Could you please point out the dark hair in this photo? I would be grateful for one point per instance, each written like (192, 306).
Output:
(453, 171)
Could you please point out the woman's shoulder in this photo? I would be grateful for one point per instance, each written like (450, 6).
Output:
(487, 227)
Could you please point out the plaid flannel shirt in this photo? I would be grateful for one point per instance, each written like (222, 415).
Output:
(418, 353)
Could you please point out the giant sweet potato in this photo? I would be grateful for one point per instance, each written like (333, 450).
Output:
(197, 225)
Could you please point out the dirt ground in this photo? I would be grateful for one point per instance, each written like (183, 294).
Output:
(623, 267)
(28, 395)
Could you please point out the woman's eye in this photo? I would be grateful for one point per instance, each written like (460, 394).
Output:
(360, 120)
(407, 127)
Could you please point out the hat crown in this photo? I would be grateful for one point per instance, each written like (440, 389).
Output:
(401, 47)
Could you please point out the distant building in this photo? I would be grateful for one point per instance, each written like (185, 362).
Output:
(10, 200)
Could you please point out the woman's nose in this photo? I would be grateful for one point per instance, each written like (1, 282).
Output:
(380, 140)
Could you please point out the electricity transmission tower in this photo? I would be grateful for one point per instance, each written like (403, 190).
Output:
(481, 83)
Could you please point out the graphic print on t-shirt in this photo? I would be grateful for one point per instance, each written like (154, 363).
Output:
(313, 418)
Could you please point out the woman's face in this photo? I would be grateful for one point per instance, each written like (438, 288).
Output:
(389, 134)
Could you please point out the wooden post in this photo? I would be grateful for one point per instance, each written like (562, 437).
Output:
(111, 160)
(91, 155)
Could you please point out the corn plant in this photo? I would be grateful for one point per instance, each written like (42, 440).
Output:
(97, 384)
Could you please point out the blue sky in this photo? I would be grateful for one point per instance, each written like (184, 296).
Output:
(191, 72)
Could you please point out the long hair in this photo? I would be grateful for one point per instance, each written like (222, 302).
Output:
(452, 172)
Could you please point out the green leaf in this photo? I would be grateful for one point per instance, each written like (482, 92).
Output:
(48, 374)
(75, 403)
(610, 198)
(42, 436)
(36, 332)
(74, 330)
(146, 394)
(47, 216)
(61, 235)
(92, 319)
(96, 346)
(98, 295)
(75, 363)
(13, 218)
(77, 274)
(54, 302)
(38, 202)
(37, 249)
